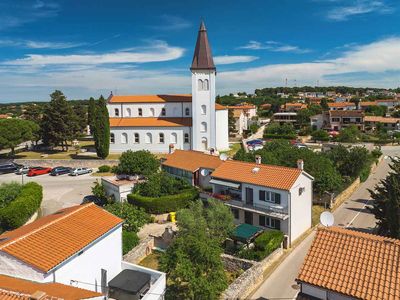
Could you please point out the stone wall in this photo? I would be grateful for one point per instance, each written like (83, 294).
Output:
(73, 163)
(234, 264)
(144, 248)
(345, 194)
(251, 278)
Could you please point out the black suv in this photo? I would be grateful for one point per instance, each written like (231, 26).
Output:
(9, 168)
(60, 171)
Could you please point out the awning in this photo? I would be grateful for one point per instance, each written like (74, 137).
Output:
(225, 183)
(246, 232)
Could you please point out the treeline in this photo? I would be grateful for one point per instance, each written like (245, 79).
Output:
(322, 89)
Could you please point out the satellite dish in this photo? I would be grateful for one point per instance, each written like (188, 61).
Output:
(326, 219)
(204, 172)
(223, 157)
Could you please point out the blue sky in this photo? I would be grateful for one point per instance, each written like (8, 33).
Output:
(87, 48)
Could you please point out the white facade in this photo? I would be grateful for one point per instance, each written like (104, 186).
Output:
(222, 130)
(119, 189)
(148, 110)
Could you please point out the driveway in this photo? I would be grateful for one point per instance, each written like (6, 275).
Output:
(58, 191)
(352, 214)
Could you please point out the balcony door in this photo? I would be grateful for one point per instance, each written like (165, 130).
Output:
(249, 196)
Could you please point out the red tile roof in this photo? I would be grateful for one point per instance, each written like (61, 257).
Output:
(277, 177)
(192, 160)
(360, 265)
(242, 107)
(341, 104)
(66, 232)
(377, 119)
(150, 98)
(150, 122)
(346, 113)
(15, 288)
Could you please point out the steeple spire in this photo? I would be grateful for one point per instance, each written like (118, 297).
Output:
(202, 58)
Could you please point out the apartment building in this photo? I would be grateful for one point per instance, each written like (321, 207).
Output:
(373, 122)
(339, 119)
(342, 106)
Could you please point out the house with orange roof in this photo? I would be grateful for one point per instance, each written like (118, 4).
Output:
(272, 197)
(79, 246)
(348, 264)
(189, 122)
(372, 122)
(389, 103)
(293, 107)
(342, 106)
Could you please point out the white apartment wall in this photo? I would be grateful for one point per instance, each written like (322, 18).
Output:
(256, 194)
(222, 133)
(172, 109)
(300, 207)
(155, 146)
(252, 112)
(313, 291)
(207, 98)
(86, 268)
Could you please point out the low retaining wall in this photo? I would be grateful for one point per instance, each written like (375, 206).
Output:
(234, 264)
(244, 285)
(345, 194)
(144, 248)
(72, 163)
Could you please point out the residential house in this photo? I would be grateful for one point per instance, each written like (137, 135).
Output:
(371, 123)
(258, 194)
(20, 289)
(285, 118)
(265, 106)
(243, 115)
(347, 264)
(79, 246)
(389, 103)
(320, 121)
(342, 106)
(339, 119)
(249, 110)
(365, 104)
(293, 107)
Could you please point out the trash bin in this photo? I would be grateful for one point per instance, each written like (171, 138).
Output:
(172, 216)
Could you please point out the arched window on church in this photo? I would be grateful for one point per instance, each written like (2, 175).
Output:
(137, 140)
(124, 138)
(204, 143)
(200, 85)
(187, 111)
(186, 138)
(163, 112)
(140, 112)
(152, 113)
(112, 138)
(203, 109)
(174, 138)
(203, 127)
(129, 112)
(206, 85)
(116, 112)
(149, 138)
(161, 138)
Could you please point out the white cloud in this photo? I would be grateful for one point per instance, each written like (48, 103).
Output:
(273, 46)
(233, 59)
(360, 7)
(170, 22)
(29, 44)
(159, 51)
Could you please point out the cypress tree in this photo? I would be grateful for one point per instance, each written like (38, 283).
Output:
(102, 129)
(91, 114)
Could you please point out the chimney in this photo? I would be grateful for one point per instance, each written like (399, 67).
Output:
(171, 148)
(258, 159)
(300, 164)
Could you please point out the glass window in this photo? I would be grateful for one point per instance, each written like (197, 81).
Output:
(161, 138)
(205, 85)
(276, 198)
(129, 112)
(149, 138)
(203, 109)
(203, 127)
(235, 213)
(124, 138)
(112, 138)
(200, 85)
(152, 112)
(163, 112)
(186, 137)
(187, 111)
(140, 112)
(137, 140)
(116, 112)
(262, 196)
(174, 138)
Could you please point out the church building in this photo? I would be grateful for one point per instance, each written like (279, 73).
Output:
(159, 122)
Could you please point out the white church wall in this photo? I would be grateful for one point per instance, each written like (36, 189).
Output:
(131, 110)
(222, 129)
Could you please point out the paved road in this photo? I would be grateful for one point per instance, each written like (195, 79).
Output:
(352, 214)
(58, 191)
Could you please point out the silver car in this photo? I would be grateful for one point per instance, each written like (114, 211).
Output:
(22, 170)
(80, 171)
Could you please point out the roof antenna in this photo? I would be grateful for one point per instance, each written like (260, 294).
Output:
(327, 219)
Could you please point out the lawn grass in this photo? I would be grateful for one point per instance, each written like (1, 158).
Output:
(151, 261)
(317, 210)
(233, 148)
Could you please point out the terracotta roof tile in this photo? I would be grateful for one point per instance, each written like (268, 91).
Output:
(341, 104)
(352, 263)
(192, 160)
(150, 98)
(381, 119)
(242, 107)
(368, 103)
(68, 231)
(346, 113)
(220, 106)
(15, 288)
(277, 177)
(150, 122)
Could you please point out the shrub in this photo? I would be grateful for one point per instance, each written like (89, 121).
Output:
(376, 153)
(129, 241)
(134, 217)
(137, 163)
(104, 169)
(164, 204)
(264, 245)
(8, 192)
(18, 212)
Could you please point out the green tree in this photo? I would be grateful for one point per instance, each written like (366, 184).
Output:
(102, 129)
(349, 161)
(81, 120)
(231, 122)
(324, 104)
(193, 261)
(99, 191)
(275, 130)
(16, 131)
(161, 184)
(91, 113)
(134, 217)
(386, 204)
(349, 134)
(140, 162)
(320, 135)
(58, 123)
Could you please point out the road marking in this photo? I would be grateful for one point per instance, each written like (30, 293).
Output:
(355, 217)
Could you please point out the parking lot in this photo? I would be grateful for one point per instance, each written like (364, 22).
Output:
(58, 191)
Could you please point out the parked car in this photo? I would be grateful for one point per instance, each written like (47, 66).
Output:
(255, 147)
(34, 171)
(60, 171)
(255, 142)
(9, 168)
(300, 146)
(80, 171)
(22, 170)
(92, 198)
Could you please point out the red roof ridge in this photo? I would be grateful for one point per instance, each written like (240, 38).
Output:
(265, 165)
(68, 214)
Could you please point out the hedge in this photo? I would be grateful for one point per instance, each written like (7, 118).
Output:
(264, 245)
(104, 169)
(20, 210)
(164, 204)
(130, 240)
(279, 136)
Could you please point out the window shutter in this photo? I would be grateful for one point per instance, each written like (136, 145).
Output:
(278, 224)
(261, 220)
(277, 198)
